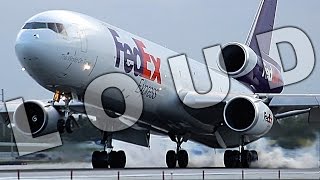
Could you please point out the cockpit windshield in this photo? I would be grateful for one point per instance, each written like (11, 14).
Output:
(56, 27)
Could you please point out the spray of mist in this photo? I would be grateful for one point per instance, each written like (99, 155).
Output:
(270, 155)
(297, 147)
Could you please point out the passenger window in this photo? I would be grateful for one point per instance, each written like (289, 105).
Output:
(61, 29)
(53, 27)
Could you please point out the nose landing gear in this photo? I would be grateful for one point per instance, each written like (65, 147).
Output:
(68, 122)
(66, 125)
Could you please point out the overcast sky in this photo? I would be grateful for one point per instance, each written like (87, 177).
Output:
(183, 26)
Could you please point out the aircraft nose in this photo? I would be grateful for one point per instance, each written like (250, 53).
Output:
(37, 53)
(27, 48)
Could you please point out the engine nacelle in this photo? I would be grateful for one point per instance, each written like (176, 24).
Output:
(238, 59)
(242, 63)
(248, 116)
(40, 117)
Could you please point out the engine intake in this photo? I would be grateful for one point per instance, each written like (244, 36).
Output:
(237, 59)
(247, 115)
(36, 118)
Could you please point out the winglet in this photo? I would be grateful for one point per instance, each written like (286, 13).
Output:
(263, 22)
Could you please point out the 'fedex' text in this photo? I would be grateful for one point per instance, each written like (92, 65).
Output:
(130, 59)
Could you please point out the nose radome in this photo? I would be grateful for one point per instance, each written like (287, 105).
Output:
(36, 53)
(28, 50)
(27, 43)
(36, 48)
(40, 54)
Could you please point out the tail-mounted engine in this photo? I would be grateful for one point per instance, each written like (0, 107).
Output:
(36, 118)
(242, 63)
(248, 116)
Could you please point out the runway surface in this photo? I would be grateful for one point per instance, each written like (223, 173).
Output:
(159, 173)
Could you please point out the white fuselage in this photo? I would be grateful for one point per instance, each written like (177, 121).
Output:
(86, 48)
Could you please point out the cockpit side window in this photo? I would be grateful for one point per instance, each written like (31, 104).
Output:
(61, 29)
(27, 26)
(53, 27)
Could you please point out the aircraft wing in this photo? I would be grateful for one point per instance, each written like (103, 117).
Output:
(286, 105)
(296, 100)
(282, 105)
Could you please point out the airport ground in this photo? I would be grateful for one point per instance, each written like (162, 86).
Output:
(64, 171)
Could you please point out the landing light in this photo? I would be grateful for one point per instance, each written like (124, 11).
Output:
(63, 98)
(86, 66)
(23, 69)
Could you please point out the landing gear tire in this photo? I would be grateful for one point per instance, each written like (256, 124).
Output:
(180, 156)
(171, 159)
(246, 159)
(113, 159)
(99, 159)
(183, 158)
(122, 159)
(235, 159)
(254, 155)
(61, 126)
(232, 159)
(117, 159)
(227, 159)
(70, 124)
(102, 159)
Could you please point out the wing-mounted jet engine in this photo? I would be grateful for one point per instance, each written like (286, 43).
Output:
(38, 118)
(41, 118)
(248, 116)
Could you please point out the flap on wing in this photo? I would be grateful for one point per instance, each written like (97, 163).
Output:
(298, 101)
(287, 105)
(137, 137)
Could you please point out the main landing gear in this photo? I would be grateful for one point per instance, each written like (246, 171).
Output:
(239, 159)
(108, 158)
(179, 155)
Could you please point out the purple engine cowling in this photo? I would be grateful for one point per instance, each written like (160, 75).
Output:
(243, 64)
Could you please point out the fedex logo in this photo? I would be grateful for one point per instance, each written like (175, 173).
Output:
(136, 59)
(268, 117)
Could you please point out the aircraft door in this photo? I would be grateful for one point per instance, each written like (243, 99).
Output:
(84, 41)
(81, 62)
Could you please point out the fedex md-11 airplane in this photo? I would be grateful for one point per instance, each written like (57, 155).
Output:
(65, 51)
